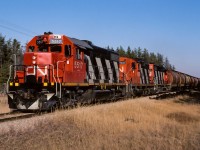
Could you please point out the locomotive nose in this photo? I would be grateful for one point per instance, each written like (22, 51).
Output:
(38, 66)
(37, 58)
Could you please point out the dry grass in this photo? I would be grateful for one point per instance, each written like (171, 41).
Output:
(133, 124)
(4, 105)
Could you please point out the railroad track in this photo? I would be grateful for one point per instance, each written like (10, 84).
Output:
(163, 95)
(168, 94)
(15, 116)
(8, 113)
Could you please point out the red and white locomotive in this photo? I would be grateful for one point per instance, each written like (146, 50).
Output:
(62, 71)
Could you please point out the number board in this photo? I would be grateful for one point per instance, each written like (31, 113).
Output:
(39, 42)
(56, 41)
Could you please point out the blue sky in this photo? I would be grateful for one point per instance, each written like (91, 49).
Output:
(170, 27)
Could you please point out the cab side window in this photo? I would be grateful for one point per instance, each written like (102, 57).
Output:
(31, 48)
(67, 50)
(78, 53)
(133, 65)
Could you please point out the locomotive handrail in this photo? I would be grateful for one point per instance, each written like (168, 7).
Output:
(57, 68)
(10, 74)
(53, 72)
(127, 73)
(59, 78)
(10, 70)
(54, 77)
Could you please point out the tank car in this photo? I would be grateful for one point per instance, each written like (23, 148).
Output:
(179, 81)
(198, 85)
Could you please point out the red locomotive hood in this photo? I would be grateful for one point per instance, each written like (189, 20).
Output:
(37, 58)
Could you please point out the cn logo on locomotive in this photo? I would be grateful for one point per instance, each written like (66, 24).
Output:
(31, 70)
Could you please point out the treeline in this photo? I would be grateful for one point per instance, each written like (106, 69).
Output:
(7, 50)
(146, 56)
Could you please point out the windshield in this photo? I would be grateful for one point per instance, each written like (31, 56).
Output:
(55, 48)
(49, 48)
(43, 48)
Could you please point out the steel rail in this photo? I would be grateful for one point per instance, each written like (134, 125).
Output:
(16, 116)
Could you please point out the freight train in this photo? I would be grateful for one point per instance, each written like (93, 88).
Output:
(59, 71)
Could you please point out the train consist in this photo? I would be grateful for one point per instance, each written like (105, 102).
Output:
(60, 71)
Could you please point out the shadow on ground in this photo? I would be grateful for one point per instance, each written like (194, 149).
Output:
(190, 99)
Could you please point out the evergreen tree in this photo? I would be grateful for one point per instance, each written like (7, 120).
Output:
(108, 47)
(7, 49)
(166, 63)
(2, 42)
(145, 56)
(128, 53)
(159, 59)
(139, 52)
(4, 72)
(121, 51)
(173, 67)
(152, 58)
(133, 54)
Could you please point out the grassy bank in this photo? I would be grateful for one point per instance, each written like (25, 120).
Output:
(4, 105)
(133, 124)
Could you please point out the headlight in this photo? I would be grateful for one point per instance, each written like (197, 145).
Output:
(45, 84)
(16, 84)
(33, 57)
